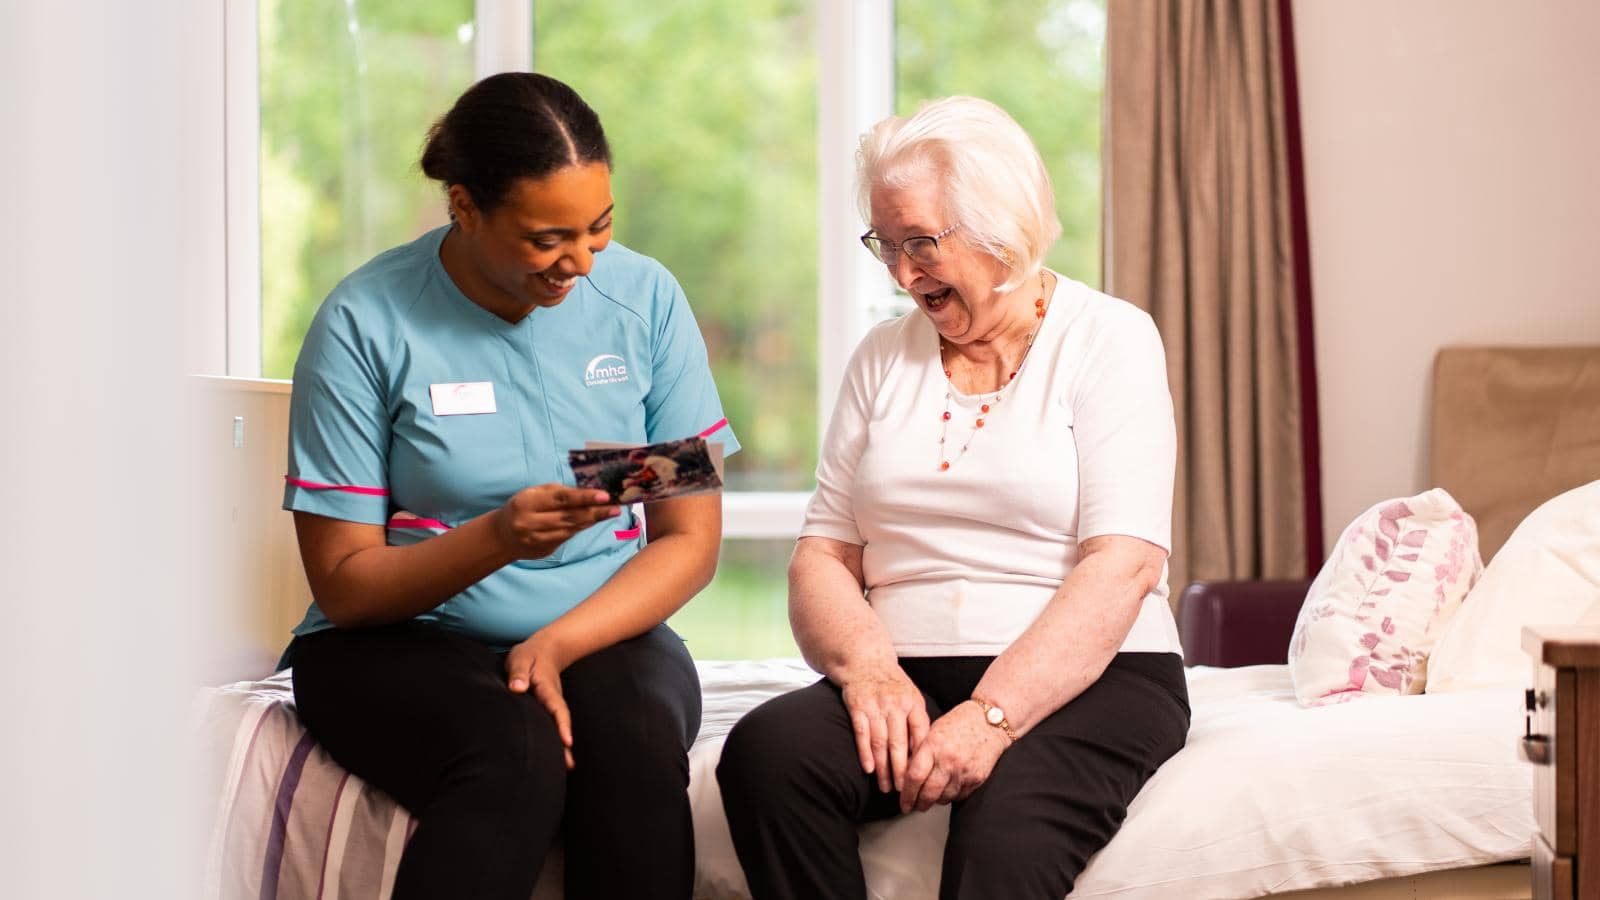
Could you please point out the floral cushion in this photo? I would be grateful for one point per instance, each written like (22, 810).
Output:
(1381, 601)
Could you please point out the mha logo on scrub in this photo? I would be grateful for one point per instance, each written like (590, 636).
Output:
(607, 368)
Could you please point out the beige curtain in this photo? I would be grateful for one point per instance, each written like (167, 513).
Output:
(1200, 232)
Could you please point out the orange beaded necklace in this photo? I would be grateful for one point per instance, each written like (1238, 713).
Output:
(945, 462)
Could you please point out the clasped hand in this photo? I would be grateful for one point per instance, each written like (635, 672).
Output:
(927, 763)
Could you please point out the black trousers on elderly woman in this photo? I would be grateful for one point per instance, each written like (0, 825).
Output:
(794, 791)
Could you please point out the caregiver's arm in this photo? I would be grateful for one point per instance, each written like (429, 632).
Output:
(684, 535)
(358, 580)
(1068, 647)
(678, 560)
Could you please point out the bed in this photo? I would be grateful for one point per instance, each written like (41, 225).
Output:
(1267, 797)
(1398, 797)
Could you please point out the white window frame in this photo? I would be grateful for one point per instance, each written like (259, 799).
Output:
(855, 46)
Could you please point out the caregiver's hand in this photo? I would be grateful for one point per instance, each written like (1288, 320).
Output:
(535, 665)
(889, 718)
(537, 520)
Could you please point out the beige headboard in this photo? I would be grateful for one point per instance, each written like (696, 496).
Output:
(1513, 427)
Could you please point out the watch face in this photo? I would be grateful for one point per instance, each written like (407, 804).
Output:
(994, 715)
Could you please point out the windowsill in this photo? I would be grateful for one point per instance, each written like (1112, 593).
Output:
(248, 385)
(763, 514)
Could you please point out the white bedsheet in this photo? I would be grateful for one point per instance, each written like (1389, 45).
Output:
(1266, 797)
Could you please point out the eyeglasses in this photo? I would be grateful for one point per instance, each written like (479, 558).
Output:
(923, 248)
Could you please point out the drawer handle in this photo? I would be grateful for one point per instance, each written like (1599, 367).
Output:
(1536, 749)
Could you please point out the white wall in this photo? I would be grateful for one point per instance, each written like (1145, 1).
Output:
(1451, 151)
(109, 143)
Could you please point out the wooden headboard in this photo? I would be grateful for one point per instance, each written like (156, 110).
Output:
(1513, 427)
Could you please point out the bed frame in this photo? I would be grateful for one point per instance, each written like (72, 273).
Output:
(1504, 881)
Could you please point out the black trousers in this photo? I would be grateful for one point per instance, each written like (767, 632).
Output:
(794, 791)
(425, 715)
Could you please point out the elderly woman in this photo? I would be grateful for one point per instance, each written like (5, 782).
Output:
(981, 574)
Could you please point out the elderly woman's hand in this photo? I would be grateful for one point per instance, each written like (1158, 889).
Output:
(890, 719)
(960, 751)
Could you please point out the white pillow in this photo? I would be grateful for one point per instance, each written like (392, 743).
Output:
(1381, 601)
(1548, 573)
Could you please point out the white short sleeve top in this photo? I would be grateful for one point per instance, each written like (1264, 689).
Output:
(960, 562)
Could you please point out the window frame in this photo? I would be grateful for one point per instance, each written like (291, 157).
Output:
(855, 47)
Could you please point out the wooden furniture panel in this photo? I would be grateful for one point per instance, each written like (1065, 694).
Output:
(1563, 743)
(1552, 874)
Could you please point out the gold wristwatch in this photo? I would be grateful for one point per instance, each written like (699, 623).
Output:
(996, 716)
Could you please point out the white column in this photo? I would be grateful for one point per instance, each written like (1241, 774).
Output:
(103, 266)
(855, 43)
(242, 121)
(503, 36)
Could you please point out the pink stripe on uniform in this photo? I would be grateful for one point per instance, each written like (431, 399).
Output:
(347, 488)
(414, 522)
(629, 535)
(713, 429)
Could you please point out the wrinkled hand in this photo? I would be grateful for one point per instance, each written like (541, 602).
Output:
(537, 520)
(890, 719)
(954, 760)
(535, 665)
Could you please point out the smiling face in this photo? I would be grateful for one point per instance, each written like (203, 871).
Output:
(958, 292)
(530, 250)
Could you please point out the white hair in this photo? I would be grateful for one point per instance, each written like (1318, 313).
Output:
(988, 171)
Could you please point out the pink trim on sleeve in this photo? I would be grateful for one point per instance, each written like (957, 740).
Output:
(347, 488)
(415, 522)
(631, 534)
(721, 423)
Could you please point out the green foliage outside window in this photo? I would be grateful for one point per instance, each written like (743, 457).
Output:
(1041, 61)
(347, 94)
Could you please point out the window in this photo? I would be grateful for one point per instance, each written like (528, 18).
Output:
(1050, 82)
(733, 124)
(744, 612)
(347, 94)
(711, 110)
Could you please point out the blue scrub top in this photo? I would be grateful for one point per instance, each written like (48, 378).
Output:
(620, 359)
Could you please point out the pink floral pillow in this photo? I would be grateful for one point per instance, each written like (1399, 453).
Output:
(1381, 601)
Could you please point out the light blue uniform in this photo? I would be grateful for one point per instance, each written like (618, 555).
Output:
(620, 359)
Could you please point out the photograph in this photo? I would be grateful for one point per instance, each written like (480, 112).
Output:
(653, 472)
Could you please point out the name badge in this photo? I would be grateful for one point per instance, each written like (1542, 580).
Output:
(468, 398)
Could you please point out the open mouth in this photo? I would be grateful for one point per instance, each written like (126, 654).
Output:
(938, 298)
(557, 284)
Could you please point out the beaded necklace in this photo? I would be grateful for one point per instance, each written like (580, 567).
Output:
(1039, 307)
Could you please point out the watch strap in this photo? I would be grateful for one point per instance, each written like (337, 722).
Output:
(1004, 724)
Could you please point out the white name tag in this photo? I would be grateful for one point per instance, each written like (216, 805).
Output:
(468, 398)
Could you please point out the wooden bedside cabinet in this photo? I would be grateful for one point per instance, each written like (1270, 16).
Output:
(1563, 742)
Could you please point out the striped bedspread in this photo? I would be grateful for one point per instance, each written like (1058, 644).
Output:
(291, 824)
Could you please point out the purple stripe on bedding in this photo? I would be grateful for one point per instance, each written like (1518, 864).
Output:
(327, 840)
(280, 816)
